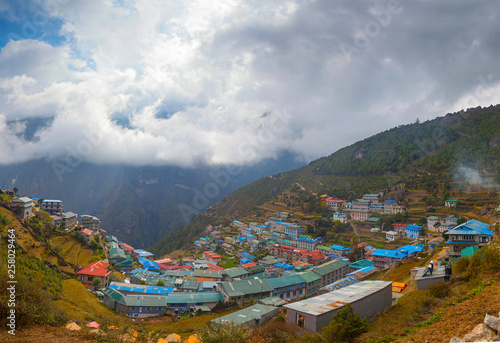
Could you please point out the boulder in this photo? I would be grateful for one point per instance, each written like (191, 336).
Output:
(481, 333)
(456, 340)
(492, 322)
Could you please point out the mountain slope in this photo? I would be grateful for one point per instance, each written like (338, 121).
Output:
(137, 204)
(457, 150)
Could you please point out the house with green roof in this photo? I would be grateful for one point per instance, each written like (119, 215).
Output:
(290, 287)
(243, 291)
(451, 203)
(184, 301)
(313, 282)
(139, 306)
(116, 254)
(252, 316)
(359, 265)
(231, 274)
(331, 271)
(323, 248)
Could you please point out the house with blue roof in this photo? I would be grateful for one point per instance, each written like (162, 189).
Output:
(412, 231)
(248, 256)
(149, 265)
(342, 217)
(383, 258)
(472, 233)
(143, 253)
(308, 243)
(339, 251)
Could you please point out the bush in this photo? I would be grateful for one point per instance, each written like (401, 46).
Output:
(346, 326)
(227, 333)
(439, 290)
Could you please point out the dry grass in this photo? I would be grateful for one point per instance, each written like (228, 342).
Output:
(83, 303)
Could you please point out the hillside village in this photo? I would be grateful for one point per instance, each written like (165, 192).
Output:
(270, 267)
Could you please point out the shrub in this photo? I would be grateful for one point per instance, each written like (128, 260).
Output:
(439, 290)
(346, 326)
(227, 333)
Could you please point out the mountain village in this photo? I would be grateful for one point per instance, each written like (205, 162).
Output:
(271, 267)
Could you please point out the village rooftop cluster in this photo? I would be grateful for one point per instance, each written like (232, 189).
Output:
(267, 265)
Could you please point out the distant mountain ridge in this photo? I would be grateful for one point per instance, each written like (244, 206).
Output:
(137, 204)
(463, 146)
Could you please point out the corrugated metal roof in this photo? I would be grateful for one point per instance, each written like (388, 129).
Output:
(245, 315)
(246, 286)
(286, 281)
(333, 300)
(329, 267)
(193, 297)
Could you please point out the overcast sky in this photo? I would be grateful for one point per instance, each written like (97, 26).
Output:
(214, 82)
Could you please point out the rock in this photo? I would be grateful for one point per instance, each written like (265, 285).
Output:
(456, 340)
(481, 333)
(492, 322)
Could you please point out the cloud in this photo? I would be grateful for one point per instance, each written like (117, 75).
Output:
(194, 82)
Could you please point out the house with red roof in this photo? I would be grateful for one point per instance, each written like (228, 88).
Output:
(211, 256)
(128, 249)
(163, 263)
(96, 269)
(213, 266)
(87, 234)
(314, 257)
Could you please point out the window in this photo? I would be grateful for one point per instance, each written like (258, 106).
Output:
(288, 294)
(300, 292)
(281, 296)
(294, 293)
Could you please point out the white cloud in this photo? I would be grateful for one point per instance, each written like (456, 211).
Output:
(207, 82)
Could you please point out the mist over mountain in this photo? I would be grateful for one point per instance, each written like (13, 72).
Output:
(139, 205)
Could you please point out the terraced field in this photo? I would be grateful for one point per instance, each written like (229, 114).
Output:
(74, 251)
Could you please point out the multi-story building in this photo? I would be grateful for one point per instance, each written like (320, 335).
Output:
(334, 204)
(68, 220)
(90, 222)
(293, 230)
(388, 205)
(289, 253)
(243, 291)
(290, 287)
(412, 230)
(339, 251)
(372, 197)
(331, 271)
(472, 233)
(342, 217)
(54, 207)
(440, 225)
(361, 204)
(308, 243)
(23, 205)
(360, 215)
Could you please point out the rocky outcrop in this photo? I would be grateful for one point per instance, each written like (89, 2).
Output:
(489, 331)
